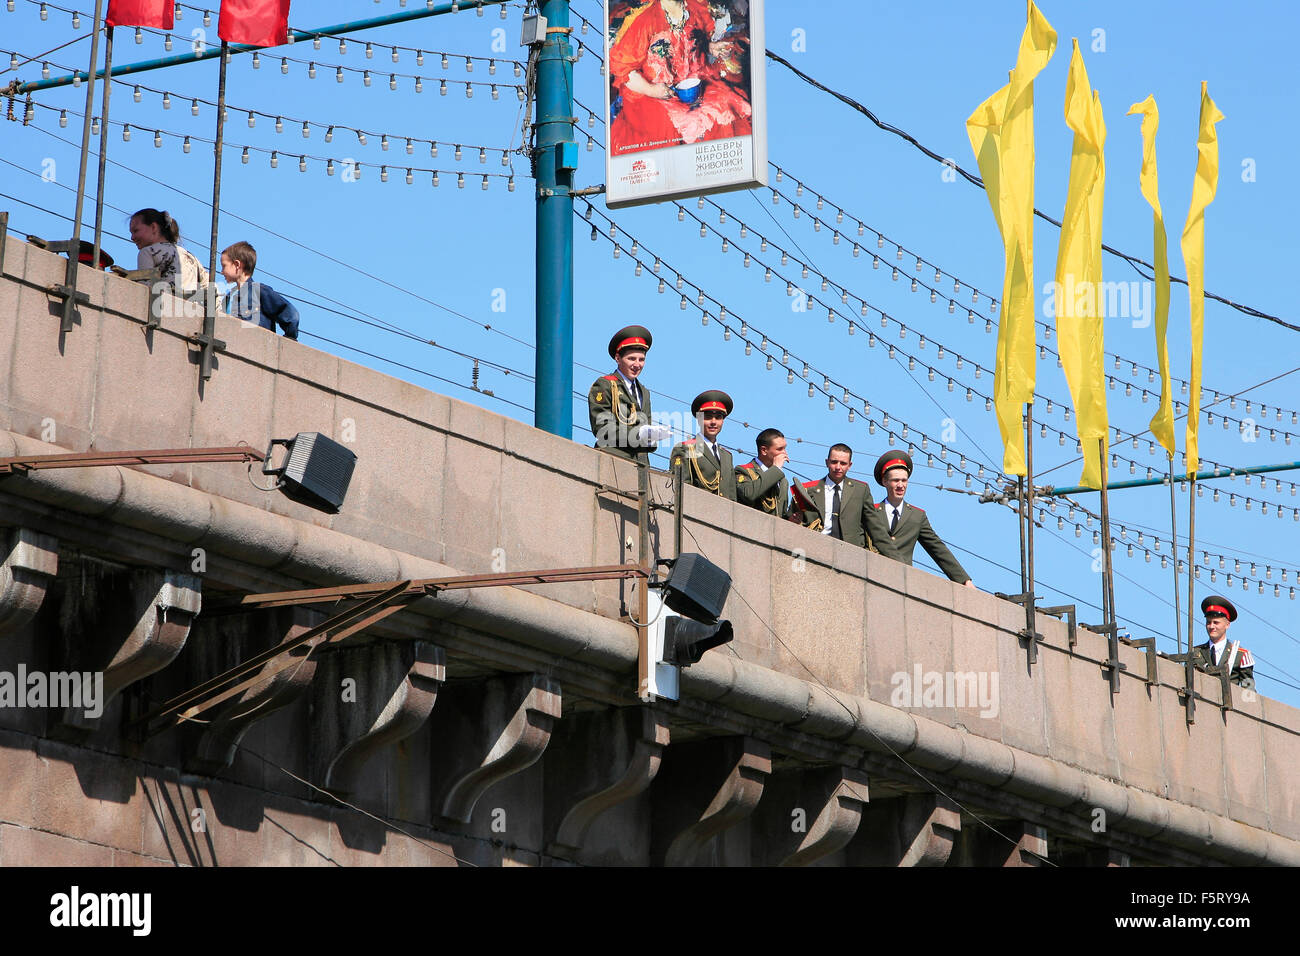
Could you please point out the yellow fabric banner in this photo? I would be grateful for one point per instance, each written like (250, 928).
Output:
(1078, 291)
(1162, 423)
(1193, 246)
(1001, 132)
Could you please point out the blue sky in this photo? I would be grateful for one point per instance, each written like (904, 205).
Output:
(444, 264)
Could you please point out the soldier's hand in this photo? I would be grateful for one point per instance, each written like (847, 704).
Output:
(650, 434)
(781, 460)
(970, 583)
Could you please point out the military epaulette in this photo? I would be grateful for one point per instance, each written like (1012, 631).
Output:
(915, 508)
(610, 378)
(878, 504)
(689, 441)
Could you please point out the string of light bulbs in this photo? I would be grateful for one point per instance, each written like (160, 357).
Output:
(356, 166)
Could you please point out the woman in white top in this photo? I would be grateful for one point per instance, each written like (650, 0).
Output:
(157, 236)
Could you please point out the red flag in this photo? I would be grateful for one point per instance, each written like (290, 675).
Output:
(159, 14)
(255, 22)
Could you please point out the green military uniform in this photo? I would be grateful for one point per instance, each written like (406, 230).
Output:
(912, 526)
(1243, 667)
(697, 462)
(859, 521)
(616, 416)
(698, 467)
(767, 489)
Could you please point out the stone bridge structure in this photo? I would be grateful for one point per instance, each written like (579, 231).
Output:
(866, 712)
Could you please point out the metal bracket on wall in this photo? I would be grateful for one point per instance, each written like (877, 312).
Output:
(1111, 666)
(1030, 636)
(1187, 693)
(1070, 613)
(207, 340)
(1147, 644)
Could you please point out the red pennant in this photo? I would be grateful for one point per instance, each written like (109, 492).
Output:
(255, 22)
(159, 14)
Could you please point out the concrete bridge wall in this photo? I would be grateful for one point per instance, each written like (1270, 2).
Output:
(823, 630)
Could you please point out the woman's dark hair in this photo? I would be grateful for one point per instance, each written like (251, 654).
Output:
(167, 227)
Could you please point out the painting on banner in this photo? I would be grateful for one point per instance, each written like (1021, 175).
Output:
(685, 110)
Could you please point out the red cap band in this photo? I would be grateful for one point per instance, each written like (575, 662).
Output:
(893, 464)
(628, 342)
(1216, 609)
(710, 405)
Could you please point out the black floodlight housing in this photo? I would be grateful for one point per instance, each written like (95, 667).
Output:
(697, 588)
(686, 641)
(316, 470)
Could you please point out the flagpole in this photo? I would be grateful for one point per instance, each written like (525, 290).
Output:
(216, 168)
(1029, 518)
(1108, 580)
(1173, 549)
(1191, 547)
(74, 250)
(103, 145)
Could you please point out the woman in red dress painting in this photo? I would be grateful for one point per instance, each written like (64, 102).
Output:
(657, 50)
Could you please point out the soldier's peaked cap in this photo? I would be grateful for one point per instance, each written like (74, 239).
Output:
(712, 399)
(1214, 604)
(632, 337)
(892, 459)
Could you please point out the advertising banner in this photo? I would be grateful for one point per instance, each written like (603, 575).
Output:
(685, 106)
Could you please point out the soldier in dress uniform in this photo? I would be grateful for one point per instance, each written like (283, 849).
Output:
(619, 405)
(907, 524)
(841, 507)
(701, 460)
(761, 483)
(1219, 614)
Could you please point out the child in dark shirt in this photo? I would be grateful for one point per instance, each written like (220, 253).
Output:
(255, 301)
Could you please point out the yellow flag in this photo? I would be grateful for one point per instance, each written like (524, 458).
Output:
(1193, 245)
(1078, 301)
(1162, 423)
(1001, 132)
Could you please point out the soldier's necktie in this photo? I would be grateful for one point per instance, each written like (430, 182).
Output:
(893, 520)
(636, 394)
(836, 531)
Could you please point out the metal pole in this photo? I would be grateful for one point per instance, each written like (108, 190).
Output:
(645, 560)
(1191, 561)
(296, 35)
(216, 166)
(1188, 667)
(1029, 517)
(677, 510)
(74, 252)
(1173, 549)
(1020, 522)
(1107, 581)
(103, 147)
(554, 159)
(1199, 476)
